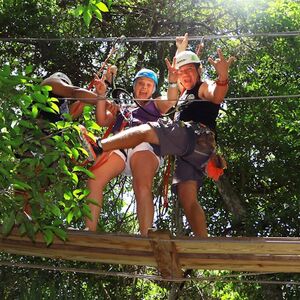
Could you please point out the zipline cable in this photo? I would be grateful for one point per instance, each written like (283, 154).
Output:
(225, 99)
(223, 278)
(154, 38)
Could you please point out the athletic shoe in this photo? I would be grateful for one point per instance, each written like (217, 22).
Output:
(89, 144)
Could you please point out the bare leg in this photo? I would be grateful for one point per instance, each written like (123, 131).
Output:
(110, 169)
(143, 166)
(187, 193)
(130, 138)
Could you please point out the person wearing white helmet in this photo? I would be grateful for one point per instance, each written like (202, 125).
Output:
(140, 161)
(62, 89)
(191, 137)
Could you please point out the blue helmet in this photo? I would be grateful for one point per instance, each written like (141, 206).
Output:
(148, 74)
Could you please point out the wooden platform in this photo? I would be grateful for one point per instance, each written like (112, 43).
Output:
(169, 254)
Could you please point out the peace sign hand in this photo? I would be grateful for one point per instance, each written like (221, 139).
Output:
(173, 72)
(222, 64)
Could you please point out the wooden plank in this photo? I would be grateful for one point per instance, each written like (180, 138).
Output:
(168, 254)
(81, 253)
(233, 245)
(165, 254)
(86, 238)
(243, 263)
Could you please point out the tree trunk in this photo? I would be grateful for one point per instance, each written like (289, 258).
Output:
(231, 198)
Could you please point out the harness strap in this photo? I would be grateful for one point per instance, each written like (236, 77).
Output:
(166, 182)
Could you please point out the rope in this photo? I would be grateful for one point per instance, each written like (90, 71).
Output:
(155, 38)
(225, 99)
(223, 278)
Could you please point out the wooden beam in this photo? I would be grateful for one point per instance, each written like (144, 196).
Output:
(164, 252)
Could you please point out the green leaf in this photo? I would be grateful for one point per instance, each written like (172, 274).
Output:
(39, 97)
(22, 229)
(20, 185)
(57, 223)
(4, 172)
(5, 71)
(95, 202)
(87, 211)
(34, 111)
(70, 217)
(58, 138)
(30, 230)
(77, 192)
(75, 153)
(54, 107)
(74, 178)
(109, 3)
(53, 99)
(55, 210)
(27, 100)
(8, 223)
(48, 236)
(102, 6)
(77, 212)
(81, 169)
(46, 88)
(60, 233)
(68, 195)
(26, 124)
(98, 14)
(87, 16)
(78, 11)
(90, 124)
(28, 69)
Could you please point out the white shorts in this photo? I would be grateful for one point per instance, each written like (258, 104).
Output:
(126, 155)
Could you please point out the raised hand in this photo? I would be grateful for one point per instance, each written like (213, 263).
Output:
(182, 42)
(172, 71)
(222, 64)
(99, 85)
(110, 73)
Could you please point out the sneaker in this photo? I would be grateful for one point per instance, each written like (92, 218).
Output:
(89, 144)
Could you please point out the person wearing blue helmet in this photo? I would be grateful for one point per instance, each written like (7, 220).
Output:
(140, 162)
(146, 73)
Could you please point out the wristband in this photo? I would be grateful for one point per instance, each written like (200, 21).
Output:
(173, 85)
(222, 82)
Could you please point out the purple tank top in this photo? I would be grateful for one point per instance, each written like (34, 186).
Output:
(137, 116)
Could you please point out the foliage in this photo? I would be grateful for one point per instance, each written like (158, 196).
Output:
(32, 160)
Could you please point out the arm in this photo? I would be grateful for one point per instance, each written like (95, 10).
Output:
(164, 105)
(215, 91)
(77, 107)
(106, 112)
(60, 88)
(173, 88)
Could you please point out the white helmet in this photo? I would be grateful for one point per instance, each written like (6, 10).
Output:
(61, 76)
(186, 57)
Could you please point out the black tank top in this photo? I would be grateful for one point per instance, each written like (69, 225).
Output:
(200, 111)
(55, 117)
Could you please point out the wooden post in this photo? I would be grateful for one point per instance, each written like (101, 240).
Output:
(165, 253)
